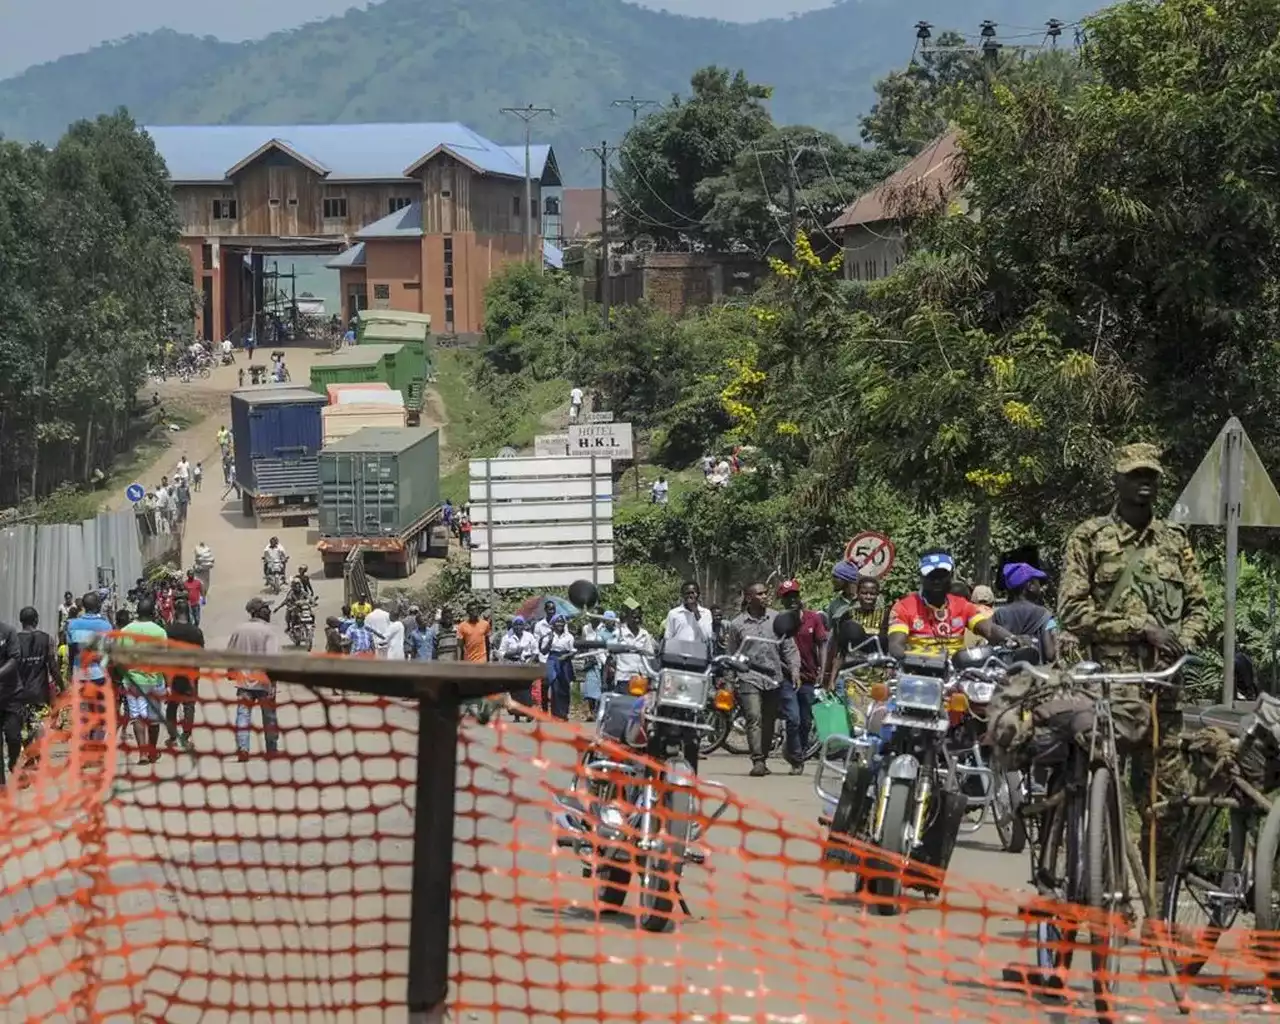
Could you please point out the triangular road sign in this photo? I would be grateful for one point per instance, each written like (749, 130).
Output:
(1205, 499)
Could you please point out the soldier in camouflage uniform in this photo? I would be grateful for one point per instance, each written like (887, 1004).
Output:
(1131, 594)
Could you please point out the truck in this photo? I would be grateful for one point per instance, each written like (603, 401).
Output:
(277, 434)
(400, 366)
(380, 495)
(391, 326)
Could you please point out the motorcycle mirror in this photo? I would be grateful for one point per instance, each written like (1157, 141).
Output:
(852, 634)
(583, 594)
(786, 624)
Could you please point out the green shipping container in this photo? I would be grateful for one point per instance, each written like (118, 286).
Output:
(365, 364)
(378, 482)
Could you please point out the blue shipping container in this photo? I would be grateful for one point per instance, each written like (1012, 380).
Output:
(277, 433)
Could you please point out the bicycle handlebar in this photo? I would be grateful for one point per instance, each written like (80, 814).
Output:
(1159, 677)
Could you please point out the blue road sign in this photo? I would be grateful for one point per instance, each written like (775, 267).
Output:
(135, 492)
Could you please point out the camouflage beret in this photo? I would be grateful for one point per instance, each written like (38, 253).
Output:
(1133, 457)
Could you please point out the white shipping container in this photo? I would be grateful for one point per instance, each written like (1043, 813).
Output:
(348, 396)
(339, 421)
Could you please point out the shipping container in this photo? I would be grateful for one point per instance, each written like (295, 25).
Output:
(369, 316)
(344, 420)
(390, 333)
(353, 396)
(390, 326)
(277, 434)
(334, 390)
(380, 491)
(364, 364)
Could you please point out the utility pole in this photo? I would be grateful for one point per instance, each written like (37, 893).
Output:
(790, 154)
(602, 275)
(634, 105)
(527, 114)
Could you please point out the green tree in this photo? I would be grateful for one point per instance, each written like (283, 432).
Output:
(665, 156)
(749, 203)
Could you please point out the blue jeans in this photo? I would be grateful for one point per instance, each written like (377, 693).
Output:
(264, 699)
(795, 706)
(560, 679)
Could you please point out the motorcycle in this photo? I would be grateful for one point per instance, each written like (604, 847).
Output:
(623, 816)
(990, 791)
(302, 625)
(273, 577)
(898, 793)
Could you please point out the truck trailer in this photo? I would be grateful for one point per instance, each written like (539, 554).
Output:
(277, 435)
(379, 493)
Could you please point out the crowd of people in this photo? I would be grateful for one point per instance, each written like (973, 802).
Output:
(165, 505)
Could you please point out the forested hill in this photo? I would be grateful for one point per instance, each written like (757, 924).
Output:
(435, 60)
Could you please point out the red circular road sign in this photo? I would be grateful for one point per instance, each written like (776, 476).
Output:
(872, 553)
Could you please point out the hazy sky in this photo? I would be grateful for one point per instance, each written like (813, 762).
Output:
(34, 31)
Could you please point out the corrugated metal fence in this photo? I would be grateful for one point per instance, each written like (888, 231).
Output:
(38, 564)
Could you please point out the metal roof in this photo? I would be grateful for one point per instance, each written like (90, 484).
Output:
(361, 355)
(346, 152)
(932, 174)
(404, 223)
(290, 394)
(385, 440)
(353, 257)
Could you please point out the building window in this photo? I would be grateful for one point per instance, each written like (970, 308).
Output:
(224, 209)
(412, 286)
(274, 203)
(448, 313)
(382, 291)
(293, 200)
(448, 264)
(206, 257)
(445, 193)
(335, 208)
(553, 206)
(448, 282)
(515, 205)
(397, 203)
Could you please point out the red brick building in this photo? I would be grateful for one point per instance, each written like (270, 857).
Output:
(421, 214)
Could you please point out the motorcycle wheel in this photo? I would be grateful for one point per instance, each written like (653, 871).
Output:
(660, 874)
(205, 372)
(735, 740)
(712, 741)
(886, 883)
(612, 891)
(1010, 827)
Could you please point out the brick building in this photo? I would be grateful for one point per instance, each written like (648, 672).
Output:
(418, 215)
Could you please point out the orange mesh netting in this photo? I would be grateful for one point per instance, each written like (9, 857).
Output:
(207, 888)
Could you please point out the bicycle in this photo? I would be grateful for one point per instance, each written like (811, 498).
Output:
(1081, 851)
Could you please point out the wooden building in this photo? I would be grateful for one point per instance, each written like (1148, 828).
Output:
(418, 215)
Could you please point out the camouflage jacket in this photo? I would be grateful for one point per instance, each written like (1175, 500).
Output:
(1165, 590)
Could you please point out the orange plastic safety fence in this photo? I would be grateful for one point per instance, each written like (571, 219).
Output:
(207, 887)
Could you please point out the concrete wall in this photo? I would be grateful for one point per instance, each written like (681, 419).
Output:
(872, 251)
(679, 281)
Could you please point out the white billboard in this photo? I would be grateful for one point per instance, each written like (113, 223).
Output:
(612, 440)
(541, 521)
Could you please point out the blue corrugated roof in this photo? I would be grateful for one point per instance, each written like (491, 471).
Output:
(350, 152)
(552, 256)
(404, 223)
(353, 257)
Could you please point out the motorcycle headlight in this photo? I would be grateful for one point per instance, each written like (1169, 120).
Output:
(979, 691)
(919, 693)
(683, 689)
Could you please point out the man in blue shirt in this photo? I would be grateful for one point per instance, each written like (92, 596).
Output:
(420, 643)
(82, 631)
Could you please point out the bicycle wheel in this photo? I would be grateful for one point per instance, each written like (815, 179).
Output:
(1206, 890)
(1006, 802)
(1106, 879)
(1266, 898)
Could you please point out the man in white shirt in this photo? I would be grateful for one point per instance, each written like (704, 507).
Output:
(575, 404)
(660, 490)
(274, 554)
(395, 638)
(543, 626)
(183, 469)
(378, 622)
(627, 665)
(689, 621)
(228, 351)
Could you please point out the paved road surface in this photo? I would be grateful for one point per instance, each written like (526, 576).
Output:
(291, 877)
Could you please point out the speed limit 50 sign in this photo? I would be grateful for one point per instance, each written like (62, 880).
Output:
(872, 553)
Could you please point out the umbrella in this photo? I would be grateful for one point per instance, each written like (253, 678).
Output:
(532, 608)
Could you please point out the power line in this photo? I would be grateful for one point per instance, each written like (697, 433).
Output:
(527, 115)
(635, 106)
(790, 153)
(603, 281)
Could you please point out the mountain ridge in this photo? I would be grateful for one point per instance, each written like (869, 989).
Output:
(442, 60)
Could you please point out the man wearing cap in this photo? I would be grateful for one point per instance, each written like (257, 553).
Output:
(1024, 615)
(1131, 593)
(933, 620)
